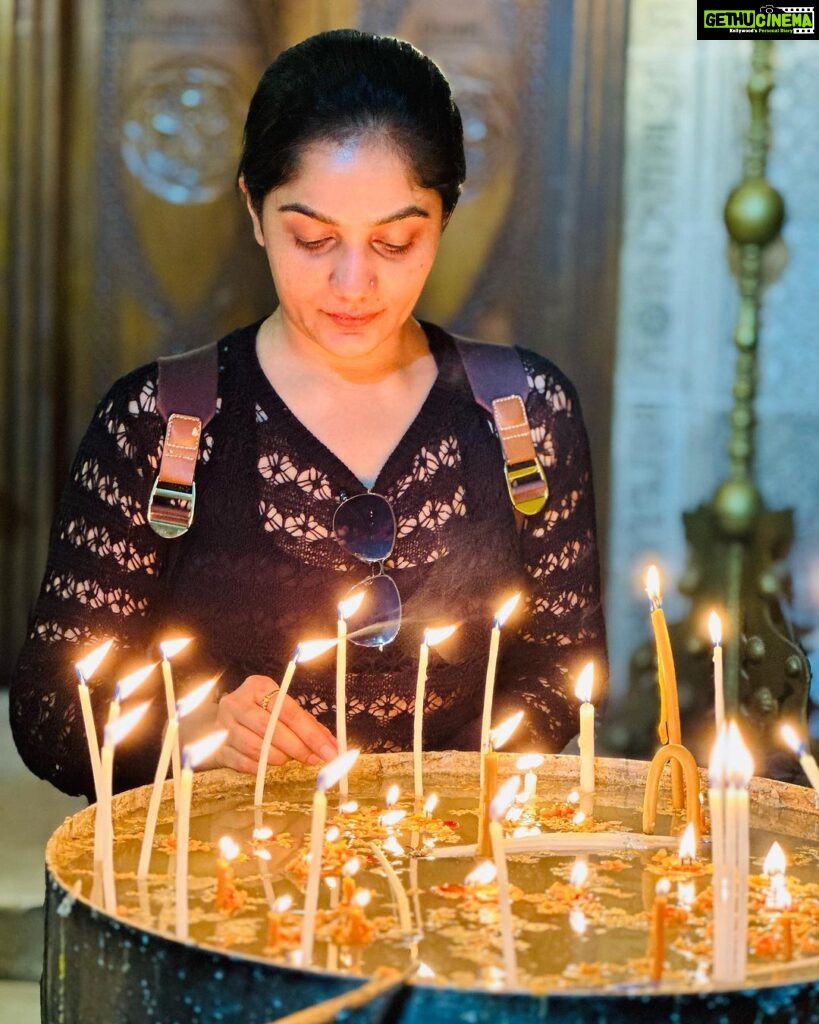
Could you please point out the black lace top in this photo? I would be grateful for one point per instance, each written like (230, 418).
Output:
(260, 569)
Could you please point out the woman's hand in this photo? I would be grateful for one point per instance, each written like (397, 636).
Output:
(298, 735)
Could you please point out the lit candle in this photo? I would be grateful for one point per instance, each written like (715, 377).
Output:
(169, 649)
(303, 652)
(345, 610)
(84, 670)
(275, 914)
(806, 759)
(192, 755)
(104, 824)
(183, 707)
(579, 876)
(501, 616)
(583, 691)
(774, 869)
(399, 893)
(656, 951)
(687, 852)
(669, 729)
(431, 638)
(497, 738)
(497, 809)
(715, 627)
(126, 688)
(225, 890)
(327, 777)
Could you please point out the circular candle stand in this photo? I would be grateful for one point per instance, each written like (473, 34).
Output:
(103, 967)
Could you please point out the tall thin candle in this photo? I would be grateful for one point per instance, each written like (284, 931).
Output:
(84, 670)
(431, 638)
(345, 610)
(806, 759)
(327, 777)
(192, 755)
(583, 692)
(715, 628)
(501, 615)
(497, 809)
(183, 707)
(169, 649)
(669, 728)
(304, 652)
(497, 738)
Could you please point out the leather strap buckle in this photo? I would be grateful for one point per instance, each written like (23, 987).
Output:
(527, 486)
(170, 509)
(173, 495)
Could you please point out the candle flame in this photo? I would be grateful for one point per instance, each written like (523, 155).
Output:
(688, 843)
(392, 795)
(503, 733)
(349, 808)
(505, 610)
(195, 753)
(686, 892)
(228, 848)
(392, 818)
(503, 798)
(775, 862)
(332, 772)
(528, 762)
(331, 883)
(791, 737)
(585, 681)
(263, 854)
(309, 649)
(573, 797)
(424, 970)
(192, 700)
(391, 845)
(332, 834)
(662, 888)
(261, 834)
(579, 873)
(715, 629)
(430, 804)
(437, 636)
(91, 662)
(130, 683)
(170, 648)
(350, 605)
(282, 904)
(117, 731)
(579, 817)
(362, 897)
(483, 874)
(739, 765)
(351, 867)
(653, 586)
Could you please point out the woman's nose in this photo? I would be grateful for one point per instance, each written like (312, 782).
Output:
(353, 275)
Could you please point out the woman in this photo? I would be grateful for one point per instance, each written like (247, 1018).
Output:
(352, 166)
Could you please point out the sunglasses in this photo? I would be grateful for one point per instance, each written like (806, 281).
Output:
(364, 527)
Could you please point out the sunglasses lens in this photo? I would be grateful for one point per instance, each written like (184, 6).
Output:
(364, 526)
(378, 619)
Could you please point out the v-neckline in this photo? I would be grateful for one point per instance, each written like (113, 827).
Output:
(427, 413)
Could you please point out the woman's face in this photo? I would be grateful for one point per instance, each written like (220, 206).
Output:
(350, 240)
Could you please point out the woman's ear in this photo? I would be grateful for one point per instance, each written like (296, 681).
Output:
(254, 216)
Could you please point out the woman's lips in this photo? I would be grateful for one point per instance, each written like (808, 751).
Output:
(351, 320)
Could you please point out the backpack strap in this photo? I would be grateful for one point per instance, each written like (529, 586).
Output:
(499, 385)
(186, 400)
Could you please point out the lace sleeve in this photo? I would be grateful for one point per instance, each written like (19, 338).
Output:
(562, 625)
(100, 579)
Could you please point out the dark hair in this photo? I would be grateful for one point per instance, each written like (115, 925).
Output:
(343, 84)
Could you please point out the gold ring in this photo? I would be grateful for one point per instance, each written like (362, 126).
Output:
(266, 699)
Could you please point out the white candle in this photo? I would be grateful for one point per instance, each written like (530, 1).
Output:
(431, 638)
(345, 610)
(501, 616)
(327, 777)
(84, 670)
(182, 708)
(398, 891)
(497, 809)
(192, 755)
(303, 652)
(583, 691)
(169, 649)
(715, 627)
(806, 759)
(104, 825)
(527, 763)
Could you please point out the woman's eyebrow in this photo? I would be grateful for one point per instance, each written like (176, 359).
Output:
(306, 211)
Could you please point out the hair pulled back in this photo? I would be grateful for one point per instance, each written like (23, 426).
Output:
(346, 84)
